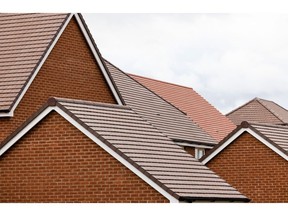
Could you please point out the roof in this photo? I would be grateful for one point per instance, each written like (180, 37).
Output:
(274, 137)
(165, 117)
(127, 136)
(25, 42)
(259, 111)
(24, 39)
(275, 133)
(194, 105)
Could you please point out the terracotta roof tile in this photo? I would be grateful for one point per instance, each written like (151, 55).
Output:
(164, 116)
(259, 111)
(169, 165)
(194, 105)
(24, 38)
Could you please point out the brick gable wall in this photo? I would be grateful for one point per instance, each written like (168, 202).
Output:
(253, 169)
(55, 162)
(70, 71)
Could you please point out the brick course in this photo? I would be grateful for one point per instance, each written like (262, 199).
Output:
(70, 71)
(253, 169)
(55, 162)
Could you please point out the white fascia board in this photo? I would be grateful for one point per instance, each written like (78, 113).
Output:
(116, 156)
(236, 135)
(102, 68)
(25, 130)
(11, 113)
(224, 145)
(97, 57)
(94, 139)
(268, 144)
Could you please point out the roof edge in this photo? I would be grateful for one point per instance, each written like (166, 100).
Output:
(237, 108)
(54, 105)
(193, 90)
(262, 102)
(96, 53)
(232, 133)
(37, 68)
(244, 127)
(108, 78)
(126, 74)
(174, 84)
(214, 199)
(193, 142)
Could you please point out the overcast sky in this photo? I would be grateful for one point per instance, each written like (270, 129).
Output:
(227, 58)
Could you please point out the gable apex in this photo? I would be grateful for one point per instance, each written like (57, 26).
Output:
(257, 132)
(54, 25)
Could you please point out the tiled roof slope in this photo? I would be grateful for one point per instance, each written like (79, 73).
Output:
(276, 133)
(155, 155)
(259, 111)
(161, 114)
(24, 38)
(196, 107)
(280, 112)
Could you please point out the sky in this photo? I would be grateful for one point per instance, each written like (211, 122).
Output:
(227, 58)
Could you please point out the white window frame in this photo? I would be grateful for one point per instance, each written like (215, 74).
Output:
(199, 152)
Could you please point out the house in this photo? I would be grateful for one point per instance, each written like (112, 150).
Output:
(100, 136)
(254, 160)
(194, 105)
(259, 111)
(74, 150)
(44, 55)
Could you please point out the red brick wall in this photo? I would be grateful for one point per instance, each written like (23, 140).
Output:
(55, 162)
(254, 169)
(70, 71)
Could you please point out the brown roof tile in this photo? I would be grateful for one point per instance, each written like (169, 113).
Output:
(169, 165)
(259, 111)
(24, 38)
(161, 114)
(194, 105)
(276, 133)
(146, 148)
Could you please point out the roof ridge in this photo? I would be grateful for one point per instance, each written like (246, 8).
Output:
(262, 101)
(178, 85)
(269, 109)
(237, 108)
